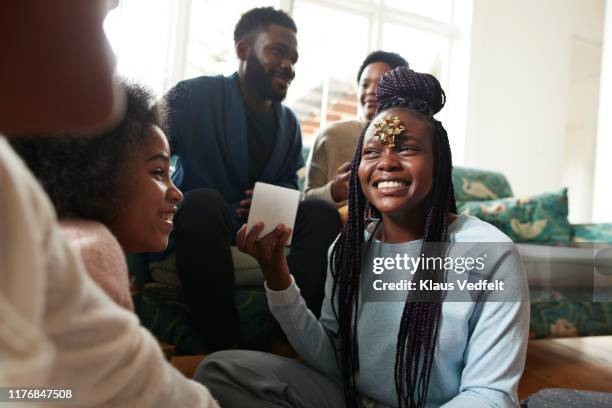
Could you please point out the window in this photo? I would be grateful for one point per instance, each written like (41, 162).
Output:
(160, 42)
(142, 49)
(440, 10)
(425, 51)
(332, 44)
(177, 39)
(210, 44)
(334, 37)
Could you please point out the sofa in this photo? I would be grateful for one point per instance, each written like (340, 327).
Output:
(546, 240)
(567, 266)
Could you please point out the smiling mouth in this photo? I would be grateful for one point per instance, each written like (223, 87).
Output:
(167, 216)
(285, 80)
(390, 184)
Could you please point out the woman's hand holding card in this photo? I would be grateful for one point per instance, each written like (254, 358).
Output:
(269, 251)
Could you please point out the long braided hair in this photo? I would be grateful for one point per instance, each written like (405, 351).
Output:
(423, 96)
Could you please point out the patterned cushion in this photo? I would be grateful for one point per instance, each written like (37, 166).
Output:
(592, 233)
(477, 185)
(568, 314)
(163, 311)
(160, 304)
(541, 218)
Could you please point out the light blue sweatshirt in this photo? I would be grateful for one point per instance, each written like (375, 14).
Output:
(480, 354)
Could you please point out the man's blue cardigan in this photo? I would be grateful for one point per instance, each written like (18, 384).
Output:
(208, 133)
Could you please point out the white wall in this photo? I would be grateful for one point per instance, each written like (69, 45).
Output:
(519, 85)
(581, 128)
(603, 164)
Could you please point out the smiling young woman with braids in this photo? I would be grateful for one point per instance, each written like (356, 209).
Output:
(421, 352)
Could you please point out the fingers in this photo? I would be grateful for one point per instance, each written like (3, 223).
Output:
(246, 203)
(251, 238)
(282, 242)
(248, 193)
(271, 238)
(346, 167)
(268, 247)
(240, 237)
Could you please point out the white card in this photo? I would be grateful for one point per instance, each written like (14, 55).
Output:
(273, 205)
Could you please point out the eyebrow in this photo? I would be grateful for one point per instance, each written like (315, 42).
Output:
(279, 44)
(159, 156)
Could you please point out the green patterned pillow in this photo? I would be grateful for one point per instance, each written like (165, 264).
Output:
(477, 185)
(541, 218)
(592, 233)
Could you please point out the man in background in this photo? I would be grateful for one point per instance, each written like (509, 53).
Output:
(228, 133)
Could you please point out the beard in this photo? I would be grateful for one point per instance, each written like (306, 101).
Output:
(261, 79)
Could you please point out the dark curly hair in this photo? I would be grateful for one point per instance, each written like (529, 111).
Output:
(392, 59)
(259, 19)
(84, 176)
(422, 95)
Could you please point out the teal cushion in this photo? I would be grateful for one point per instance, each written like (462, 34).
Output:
(568, 314)
(592, 233)
(476, 185)
(161, 306)
(162, 309)
(541, 218)
(305, 153)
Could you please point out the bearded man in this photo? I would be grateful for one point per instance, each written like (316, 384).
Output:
(228, 133)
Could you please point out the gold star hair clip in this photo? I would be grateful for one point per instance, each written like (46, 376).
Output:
(387, 128)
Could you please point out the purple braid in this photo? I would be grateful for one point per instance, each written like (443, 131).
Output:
(346, 269)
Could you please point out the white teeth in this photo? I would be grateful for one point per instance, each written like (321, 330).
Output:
(167, 216)
(390, 184)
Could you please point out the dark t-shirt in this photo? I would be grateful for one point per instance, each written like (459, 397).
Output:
(261, 135)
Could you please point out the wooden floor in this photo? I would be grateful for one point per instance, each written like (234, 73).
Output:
(581, 363)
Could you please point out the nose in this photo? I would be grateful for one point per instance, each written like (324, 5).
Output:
(371, 88)
(173, 194)
(287, 65)
(388, 160)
